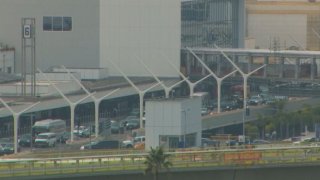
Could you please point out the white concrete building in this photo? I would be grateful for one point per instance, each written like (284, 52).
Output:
(173, 123)
(90, 33)
(284, 24)
(7, 60)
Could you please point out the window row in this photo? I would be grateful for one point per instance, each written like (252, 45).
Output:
(55, 23)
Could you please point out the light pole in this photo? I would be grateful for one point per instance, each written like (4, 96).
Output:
(31, 131)
(4, 63)
(245, 80)
(185, 127)
(218, 79)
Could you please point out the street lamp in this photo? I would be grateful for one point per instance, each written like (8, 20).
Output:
(245, 79)
(4, 63)
(185, 126)
(31, 130)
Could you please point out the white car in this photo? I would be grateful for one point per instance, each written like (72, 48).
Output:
(131, 143)
(45, 140)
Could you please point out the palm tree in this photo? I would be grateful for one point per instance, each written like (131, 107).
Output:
(156, 160)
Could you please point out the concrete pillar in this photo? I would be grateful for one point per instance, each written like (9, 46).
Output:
(219, 61)
(281, 67)
(313, 68)
(203, 70)
(297, 68)
(250, 62)
(266, 62)
(188, 64)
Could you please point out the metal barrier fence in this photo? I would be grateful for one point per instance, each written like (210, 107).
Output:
(183, 159)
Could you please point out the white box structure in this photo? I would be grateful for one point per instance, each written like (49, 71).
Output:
(173, 123)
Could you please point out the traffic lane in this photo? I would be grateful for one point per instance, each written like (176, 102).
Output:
(237, 116)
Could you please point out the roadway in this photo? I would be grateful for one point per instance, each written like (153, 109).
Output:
(236, 116)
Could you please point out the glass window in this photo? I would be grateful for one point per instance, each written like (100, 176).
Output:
(47, 23)
(67, 23)
(9, 70)
(57, 23)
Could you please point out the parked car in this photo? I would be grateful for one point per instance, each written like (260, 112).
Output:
(228, 105)
(65, 137)
(255, 100)
(101, 145)
(25, 140)
(116, 127)
(135, 112)
(260, 141)
(231, 143)
(204, 111)
(45, 140)
(133, 124)
(140, 146)
(305, 141)
(206, 142)
(131, 143)
(9, 149)
(79, 130)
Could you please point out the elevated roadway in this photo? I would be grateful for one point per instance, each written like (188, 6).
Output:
(236, 117)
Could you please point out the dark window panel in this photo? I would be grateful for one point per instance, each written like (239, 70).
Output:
(67, 23)
(47, 23)
(57, 24)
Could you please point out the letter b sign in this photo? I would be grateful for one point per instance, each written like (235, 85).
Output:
(27, 31)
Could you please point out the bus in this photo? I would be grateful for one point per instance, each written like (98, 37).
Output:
(57, 126)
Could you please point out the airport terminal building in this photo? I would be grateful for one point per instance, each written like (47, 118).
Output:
(91, 33)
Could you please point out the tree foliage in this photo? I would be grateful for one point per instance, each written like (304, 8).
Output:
(156, 160)
(287, 124)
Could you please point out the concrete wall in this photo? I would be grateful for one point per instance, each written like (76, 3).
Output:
(7, 60)
(278, 173)
(43, 89)
(290, 29)
(86, 73)
(172, 118)
(76, 48)
(147, 29)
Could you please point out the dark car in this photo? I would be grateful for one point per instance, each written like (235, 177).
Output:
(255, 100)
(260, 141)
(135, 112)
(132, 124)
(64, 137)
(8, 149)
(206, 142)
(228, 105)
(116, 127)
(25, 140)
(231, 143)
(101, 145)
(204, 111)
